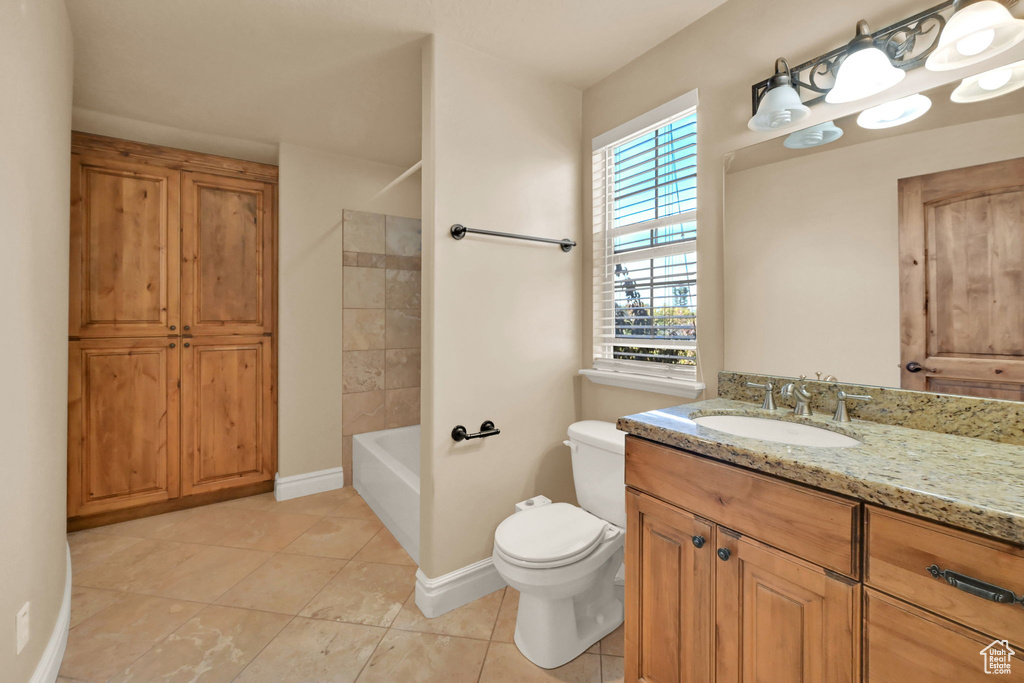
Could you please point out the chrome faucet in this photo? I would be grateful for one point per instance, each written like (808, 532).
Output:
(841, 398)
(769, 399)
(800, 395)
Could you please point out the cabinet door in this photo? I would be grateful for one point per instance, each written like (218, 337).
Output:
(782, 619)
(227, 255)
(669, 593)
(122, 423)
(124, 248)
(903, 644)
(227, 412)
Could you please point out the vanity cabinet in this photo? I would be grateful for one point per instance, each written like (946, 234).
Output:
(733, 575)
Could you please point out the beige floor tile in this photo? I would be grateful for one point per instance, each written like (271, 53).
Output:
(319, 504)
(206, 525)
(384, 549)
(505, 626)
(271, 531)
(363, 593)
(505, 663)
(335, 537)
(136, 565)
(116, 636)
(86, 602)
(262, 501)
(475, 620)
(146, 527)
(284, 584)
(207, 575)
(313, 651)
(89, 549)
(612, 669)
(215, 645)
(353, 508)
(425, 658)
(614, 643)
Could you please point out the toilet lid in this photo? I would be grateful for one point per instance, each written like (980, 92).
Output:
(549, 533)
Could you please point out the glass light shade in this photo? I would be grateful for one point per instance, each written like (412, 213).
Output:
(975, 33)
(780, 108)
(895, 113)
(992, 83)
(815, 136)
(863, 73)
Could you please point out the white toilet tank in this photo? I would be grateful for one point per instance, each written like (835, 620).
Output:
(599, 469)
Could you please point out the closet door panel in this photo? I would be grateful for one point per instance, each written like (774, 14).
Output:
(228, 436)
(124, 248)
(123, 423)
(227, 265)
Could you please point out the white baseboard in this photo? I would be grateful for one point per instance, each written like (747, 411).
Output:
(434, 597)
(298, 485)
(49, 664)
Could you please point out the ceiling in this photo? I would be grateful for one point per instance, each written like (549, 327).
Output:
(340, 75)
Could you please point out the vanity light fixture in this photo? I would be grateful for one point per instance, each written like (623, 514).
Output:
(978, 30)
(815, 136)
(895, 113)
(992, 83)
(865, 71)
(781, 106)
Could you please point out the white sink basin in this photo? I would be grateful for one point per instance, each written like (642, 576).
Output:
(775, 430)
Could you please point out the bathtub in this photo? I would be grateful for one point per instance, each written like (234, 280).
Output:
(386, 473)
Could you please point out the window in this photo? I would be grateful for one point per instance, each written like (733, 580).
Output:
(645, 259)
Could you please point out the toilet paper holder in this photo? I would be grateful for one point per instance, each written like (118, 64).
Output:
(486, 429)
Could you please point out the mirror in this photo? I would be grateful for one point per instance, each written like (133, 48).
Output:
(890, 257)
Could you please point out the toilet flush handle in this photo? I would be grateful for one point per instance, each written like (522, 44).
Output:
(571, 445)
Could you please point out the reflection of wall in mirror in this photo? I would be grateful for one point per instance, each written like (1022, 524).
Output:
(811, 251)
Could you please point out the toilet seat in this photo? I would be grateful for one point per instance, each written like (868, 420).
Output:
(550, 536)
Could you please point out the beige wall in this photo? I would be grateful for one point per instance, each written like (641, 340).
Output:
(815, 285)
(501, 317)
(720, 55)
(315, 190)
(35, 125)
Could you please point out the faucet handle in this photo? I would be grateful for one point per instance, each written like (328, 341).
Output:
(841, 398)
(769, 398)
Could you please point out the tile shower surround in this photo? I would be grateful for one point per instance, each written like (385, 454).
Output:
(380, 325)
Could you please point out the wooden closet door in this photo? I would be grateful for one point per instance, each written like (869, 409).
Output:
(122, 423)
(228, 436)
(227, 255)
(669, 593)
(782, 619)
(124, 248)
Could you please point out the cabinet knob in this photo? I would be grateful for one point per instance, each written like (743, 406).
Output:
(174, 327)
(173, 345)
(724, 553)
(186, 327)
(698, 541)
(187, 345)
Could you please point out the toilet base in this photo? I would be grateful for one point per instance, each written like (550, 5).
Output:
(551, 632)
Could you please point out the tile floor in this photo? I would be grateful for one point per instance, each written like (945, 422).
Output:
(311, 589)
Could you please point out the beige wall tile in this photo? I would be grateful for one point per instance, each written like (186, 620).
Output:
(402, 289)
(366, 260)
(403, 236)
(425, 658)
(362, 371)
(284, 584)
(350, 258)
(335, 537)
(364, 232)
(363, 593)
(402, 329)
(363, 287)
(361, 413)
(314, 650)
(362, 329)
(402, 406)
(401, 368)
(403, 262)
(118, 635)
(215, 645)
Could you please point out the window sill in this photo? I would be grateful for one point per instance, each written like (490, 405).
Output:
(658, 385)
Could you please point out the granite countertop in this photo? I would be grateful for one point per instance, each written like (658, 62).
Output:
(965, 482)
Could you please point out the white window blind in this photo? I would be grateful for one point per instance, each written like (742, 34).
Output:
(645, 258)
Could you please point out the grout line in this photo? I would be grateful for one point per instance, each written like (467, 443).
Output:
(265, 646)
(487, 653)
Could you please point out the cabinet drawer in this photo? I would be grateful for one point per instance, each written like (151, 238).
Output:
(902, 643)
(900, 549)
(815, 526)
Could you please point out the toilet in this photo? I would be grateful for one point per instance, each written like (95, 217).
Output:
(564, 559)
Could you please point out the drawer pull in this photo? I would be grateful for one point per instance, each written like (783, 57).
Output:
(698, 541)
(976, 587)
